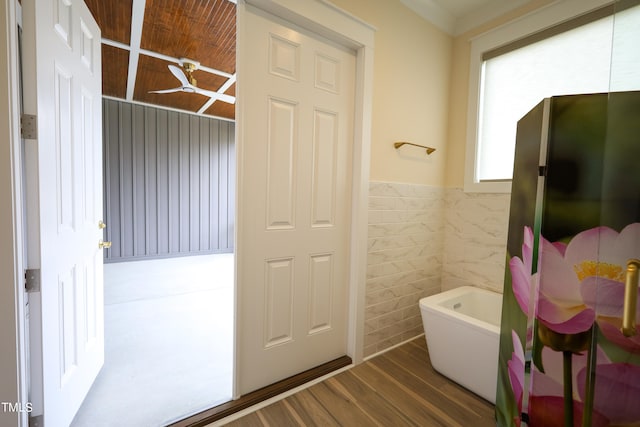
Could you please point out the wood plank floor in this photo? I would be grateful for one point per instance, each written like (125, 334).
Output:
(396, 388)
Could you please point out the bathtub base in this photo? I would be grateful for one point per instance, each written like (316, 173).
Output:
(462, 330)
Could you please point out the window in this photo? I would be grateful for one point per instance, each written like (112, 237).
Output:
(572, 57)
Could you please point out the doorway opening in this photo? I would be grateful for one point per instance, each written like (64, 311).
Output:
(355, 325)
(168, 341)
(169, 273)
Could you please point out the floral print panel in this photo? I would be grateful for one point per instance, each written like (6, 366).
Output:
(579, 288)
(573, 245)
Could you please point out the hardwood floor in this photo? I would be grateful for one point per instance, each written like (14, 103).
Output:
(396, 388)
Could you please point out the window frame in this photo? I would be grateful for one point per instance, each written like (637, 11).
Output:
(541, 19)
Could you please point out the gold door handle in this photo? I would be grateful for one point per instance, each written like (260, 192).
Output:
(630, 299)
(101, 225)
(104, 245)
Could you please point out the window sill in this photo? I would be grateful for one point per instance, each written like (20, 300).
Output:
(487, 187)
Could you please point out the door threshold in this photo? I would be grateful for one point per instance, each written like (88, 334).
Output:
(219, 412)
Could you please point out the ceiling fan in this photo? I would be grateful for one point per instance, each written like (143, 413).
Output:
(189, 83)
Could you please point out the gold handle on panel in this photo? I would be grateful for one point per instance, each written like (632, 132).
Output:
(630, 298)
(101, 225)
(104, 245)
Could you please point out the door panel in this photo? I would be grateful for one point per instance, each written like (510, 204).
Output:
(297, 147)
(320, 293)
(325, 149)
(63, 64)
(281, 173)
(279, 302)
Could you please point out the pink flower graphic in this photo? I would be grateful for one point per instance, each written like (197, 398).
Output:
(559, 305)
(616, 387)
(577, 284)
(578, 280)
(599, 257)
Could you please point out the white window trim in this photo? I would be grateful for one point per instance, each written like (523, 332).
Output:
(545, 17)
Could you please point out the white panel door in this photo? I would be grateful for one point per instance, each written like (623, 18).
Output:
(297, 142)
(63, 61)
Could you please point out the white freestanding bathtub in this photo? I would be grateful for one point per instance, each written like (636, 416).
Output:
(462, 328)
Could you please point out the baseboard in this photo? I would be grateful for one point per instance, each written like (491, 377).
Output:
(392, 347)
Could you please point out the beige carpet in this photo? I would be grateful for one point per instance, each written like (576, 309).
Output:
(168, 342)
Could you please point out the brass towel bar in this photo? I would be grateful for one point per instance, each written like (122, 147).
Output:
(401, 143)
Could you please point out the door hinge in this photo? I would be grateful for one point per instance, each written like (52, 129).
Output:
(29, 126)
(36, 421)
(32, 280)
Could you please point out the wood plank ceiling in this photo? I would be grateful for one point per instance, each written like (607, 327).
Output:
(140, 38)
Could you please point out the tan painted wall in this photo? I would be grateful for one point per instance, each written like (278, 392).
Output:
(421, 79)
(412, 73)
(458, 96)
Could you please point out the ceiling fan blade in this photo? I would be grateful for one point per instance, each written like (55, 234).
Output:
(215, 95)
(177, 89)
(177, 71)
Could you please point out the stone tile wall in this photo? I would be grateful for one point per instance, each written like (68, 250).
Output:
(423, 240)
(476, 226)
(406, 235)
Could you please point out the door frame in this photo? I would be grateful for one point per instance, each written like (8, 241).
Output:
(339, 26)
(316, 15)
(13, 361)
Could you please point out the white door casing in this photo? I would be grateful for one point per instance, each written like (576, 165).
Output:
(299, 279)
(13, 386)
(63, 83)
